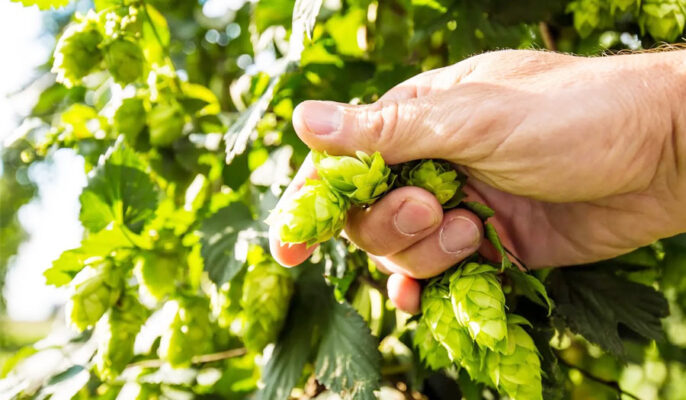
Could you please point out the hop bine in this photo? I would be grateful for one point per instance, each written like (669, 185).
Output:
(362, 179)
(479, 304)
(314, 214)
(438, 177)
(95, 290)
(517, 370)
(116, 336)
(267, 292)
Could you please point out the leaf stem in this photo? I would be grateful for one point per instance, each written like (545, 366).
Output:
(199, 359)
(614, 385)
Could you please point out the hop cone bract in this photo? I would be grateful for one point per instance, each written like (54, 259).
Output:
(479, 304)
(267, 292)
(314, 214)
(517, 370)
(125, 61)
(362, 179)
(438, 177)
(96, 289)
(77, 53)
(664, 19)
(189, 332)
(434, 355)
(117, 334)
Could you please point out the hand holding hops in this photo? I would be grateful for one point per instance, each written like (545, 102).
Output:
(438, 177)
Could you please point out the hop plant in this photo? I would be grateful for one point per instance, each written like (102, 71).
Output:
(663, 19)
(166, 121)
(588, 15)
(517, 370)
(125, 61)
(95, 290)
(78, 51)
(189, 333)
(267, 292)
(117, 334)
(129, 118)
(434, 355)
(438, 315)
(313, 215)
(362, 179)
(479, 304)
(438, 177)
(623, 5)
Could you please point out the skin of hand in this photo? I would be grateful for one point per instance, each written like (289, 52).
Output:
(582, 159)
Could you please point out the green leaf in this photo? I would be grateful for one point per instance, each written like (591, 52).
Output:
(119, 190)
(530, 287)
(483, 211)
(15, 359)
(223, 250)
(348, 361)
(43, 4)
(305, 317)
(492, 236)
(594, 302)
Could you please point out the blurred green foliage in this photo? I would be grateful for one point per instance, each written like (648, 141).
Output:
(182, 115)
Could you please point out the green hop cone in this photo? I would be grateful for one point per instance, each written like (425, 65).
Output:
(623, 5)
(438, 177)
(663, 19)
(166, 121)
(95, 290)
(314, 214)
(431, 352)
(479, 304)
(189, 333)
(588, 15)
(77, 52)
(130, 118)
(116, 336)
(437, 314)
(362, 179)
(156, 274)
(125, 61)
(267, 292)
(517, 370)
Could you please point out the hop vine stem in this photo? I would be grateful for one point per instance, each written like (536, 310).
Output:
(199, 359)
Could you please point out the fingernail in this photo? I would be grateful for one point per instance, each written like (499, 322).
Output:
(322, 118)
(414, 217)
(458, 235)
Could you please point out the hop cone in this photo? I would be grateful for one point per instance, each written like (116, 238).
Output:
(77, 52)
(267, 292)
(96, 289)
(129, 118)
(188, 334)
(438, 177)
(166, 121)
(434, 355)
(664, 19)
(363, 179)
(479, 304)
(124, 60)
(439, 317)
(314, 215)
(517, 371)
(119, 329)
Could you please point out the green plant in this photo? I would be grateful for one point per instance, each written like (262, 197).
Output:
(186, 141)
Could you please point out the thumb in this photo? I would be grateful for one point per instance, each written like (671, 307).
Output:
(400, 129)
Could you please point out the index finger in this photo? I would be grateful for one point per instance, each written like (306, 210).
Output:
(290, 255)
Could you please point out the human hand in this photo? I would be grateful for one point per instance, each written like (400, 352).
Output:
(582, 159)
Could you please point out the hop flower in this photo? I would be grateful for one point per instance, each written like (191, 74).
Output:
(479, 304)
(267, 292)
(517, 370)
(664, 19)
(117, 334)
(363, 179)
(124, 60)
(129, 118)
(189, 332)
(434, 355)
(96, 289)
(78, 51)
(313, 215)
(588, 15)
(437, 313)
(166, 121)
(438, 177)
